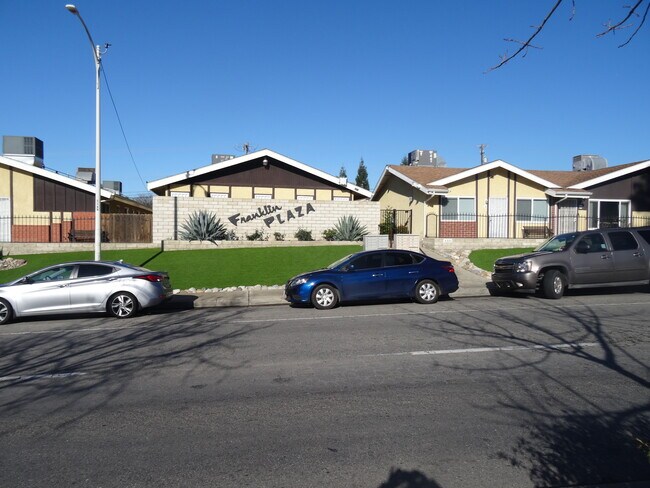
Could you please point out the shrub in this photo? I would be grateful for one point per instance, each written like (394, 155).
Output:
(203, 226)
(349, 228)
(329, 234)
(303, 235)
(258, 235)
(278, 236)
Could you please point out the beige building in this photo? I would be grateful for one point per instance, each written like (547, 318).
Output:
(262, 191)
(40, 205)
(499, 200)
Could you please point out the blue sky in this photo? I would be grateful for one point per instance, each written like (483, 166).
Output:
(325, 83)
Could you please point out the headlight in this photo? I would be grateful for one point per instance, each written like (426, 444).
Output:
(523, 267)
(299, 281)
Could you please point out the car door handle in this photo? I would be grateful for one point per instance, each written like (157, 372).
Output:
(375, 275)
(413, 272)
(63, 286)
(638, 254)
(605, 256)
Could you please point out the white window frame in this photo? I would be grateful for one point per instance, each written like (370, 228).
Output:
(466, 219)
(179, 193)
(262, 196)
(218, 194)
(598, 201)
(305, 197)
(340, 199)
(532, 219)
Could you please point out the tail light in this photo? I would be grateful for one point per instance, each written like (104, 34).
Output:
(155, 278)
(449, 268)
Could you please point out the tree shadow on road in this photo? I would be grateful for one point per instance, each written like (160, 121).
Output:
(400, 478)
(570, 438)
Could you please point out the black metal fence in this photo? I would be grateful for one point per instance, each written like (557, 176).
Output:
(55, 227)
(395, 222)
(512, 226)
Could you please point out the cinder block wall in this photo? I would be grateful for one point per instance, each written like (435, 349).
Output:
(245, 216)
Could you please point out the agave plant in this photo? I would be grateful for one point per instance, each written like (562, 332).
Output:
(349, 228)
(203, 226)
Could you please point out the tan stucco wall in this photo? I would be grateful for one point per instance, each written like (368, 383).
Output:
(4, 182)
(323, 194)
(241, 192)
(285, 193)
(399, 195)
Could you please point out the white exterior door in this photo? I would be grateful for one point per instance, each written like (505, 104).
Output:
(498, 217)
(567, 217)
(5, 220)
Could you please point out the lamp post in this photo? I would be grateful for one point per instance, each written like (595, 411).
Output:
(97, 56)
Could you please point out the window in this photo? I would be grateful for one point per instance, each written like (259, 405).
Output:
(645, 234)
(179, 193)
(215, 194)
(591, 243)
(623, 241)
(262, 196)
(53, 274)
(608, 213)
(398, 259)
(341, 199)
(88, 270)
(531, 210)
(368, 261)
(305, 197)
(458, 209)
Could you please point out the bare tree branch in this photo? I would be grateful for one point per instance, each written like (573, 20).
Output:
(615, 27)
(527, 44)
(647, 8)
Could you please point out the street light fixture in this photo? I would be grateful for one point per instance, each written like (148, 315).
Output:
(97, 56)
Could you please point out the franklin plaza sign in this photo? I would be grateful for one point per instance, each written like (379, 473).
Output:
(273, 213)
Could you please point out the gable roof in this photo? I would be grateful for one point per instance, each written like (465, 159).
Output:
(557, 183)
(211, 168)
(494, 165)
(68, 180)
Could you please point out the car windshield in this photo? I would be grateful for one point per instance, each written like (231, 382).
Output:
(558, 243)
(338, 263)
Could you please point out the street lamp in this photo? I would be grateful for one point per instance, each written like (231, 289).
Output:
(97, 56)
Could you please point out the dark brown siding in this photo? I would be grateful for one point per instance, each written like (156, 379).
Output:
(254, 173)
(50, 196)
(633, 187)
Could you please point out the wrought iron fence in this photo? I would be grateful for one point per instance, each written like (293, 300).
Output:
(395, 222)
(513, 226)
(120, 228)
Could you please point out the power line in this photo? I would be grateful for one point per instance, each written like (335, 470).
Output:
(119, 120)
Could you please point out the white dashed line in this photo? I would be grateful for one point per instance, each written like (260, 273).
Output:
(546, 347)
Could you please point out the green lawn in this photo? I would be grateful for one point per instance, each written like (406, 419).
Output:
(213, 268)
(485, 258)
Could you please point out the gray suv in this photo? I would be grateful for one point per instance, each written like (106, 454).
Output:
(594, 258)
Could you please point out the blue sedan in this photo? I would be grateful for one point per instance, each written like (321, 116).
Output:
(372, 275)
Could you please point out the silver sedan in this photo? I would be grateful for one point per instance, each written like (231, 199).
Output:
(114, 287)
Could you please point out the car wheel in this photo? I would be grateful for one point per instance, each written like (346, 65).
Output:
(122, 305)
(426, 291)
(554, 284)
(324, 297)
(6, 313)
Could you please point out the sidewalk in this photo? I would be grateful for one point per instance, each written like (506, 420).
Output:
(472, 284)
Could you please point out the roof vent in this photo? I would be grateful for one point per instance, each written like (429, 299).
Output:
(425, 158)
(28, 150)
(220, 158)
(86, 174)
(114, 186)
(588, 162)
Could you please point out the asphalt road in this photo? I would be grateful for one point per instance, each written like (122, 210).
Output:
(473, 392)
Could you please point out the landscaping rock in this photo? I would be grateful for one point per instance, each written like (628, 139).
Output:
(11, 263)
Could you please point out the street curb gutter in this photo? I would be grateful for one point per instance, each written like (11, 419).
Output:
(257, 297)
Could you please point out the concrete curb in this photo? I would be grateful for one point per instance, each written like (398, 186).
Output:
(258, 297)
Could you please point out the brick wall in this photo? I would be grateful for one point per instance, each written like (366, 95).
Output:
(269, 216)
(458, 229)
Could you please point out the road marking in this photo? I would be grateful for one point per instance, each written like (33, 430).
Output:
(547, 347)
(68, 331)
(40, 376)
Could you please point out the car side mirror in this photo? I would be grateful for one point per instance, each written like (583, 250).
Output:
(26, 280)
(349, 267)
(582, 247)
